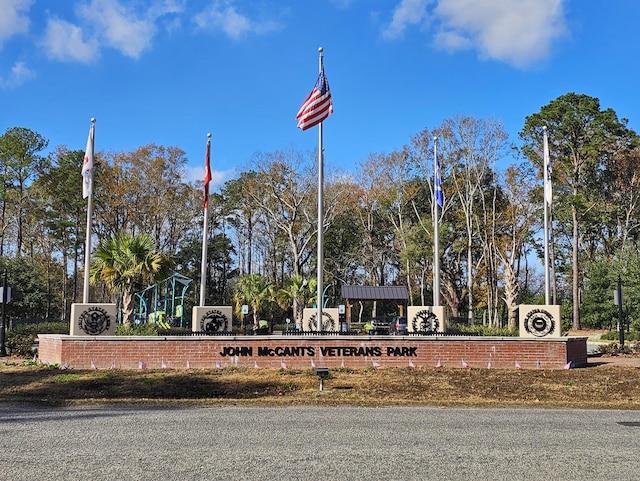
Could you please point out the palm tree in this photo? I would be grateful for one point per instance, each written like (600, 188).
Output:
(254, 290)
(126, 261)
(297, 292)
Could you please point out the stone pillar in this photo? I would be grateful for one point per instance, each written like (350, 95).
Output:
(540, 321)
(211, 319)
(426, 319)
(93, 320)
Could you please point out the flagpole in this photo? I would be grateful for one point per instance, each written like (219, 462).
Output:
(436, 240)
(320, 268)
(546, 202)
(87, 247)
(205, 230)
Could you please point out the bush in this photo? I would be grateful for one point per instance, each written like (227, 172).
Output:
(20, 339)
(137, 330)
(480, 330)
(615, 336)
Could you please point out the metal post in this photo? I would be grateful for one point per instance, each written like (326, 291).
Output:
(620, 317)
(3, 347)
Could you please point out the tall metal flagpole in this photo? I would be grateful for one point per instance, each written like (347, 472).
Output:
(436, 240)
(87, 247)
(205, 226)
(547, 205)
(320, 268)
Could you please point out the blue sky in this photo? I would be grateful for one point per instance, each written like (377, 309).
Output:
(168, 72)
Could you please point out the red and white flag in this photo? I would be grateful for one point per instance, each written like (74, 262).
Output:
(207, 174)
(87, 166)
(317, 106)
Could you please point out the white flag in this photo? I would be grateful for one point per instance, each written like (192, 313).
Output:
(548, 194)
(87, 167)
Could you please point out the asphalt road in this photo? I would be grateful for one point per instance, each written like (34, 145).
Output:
(312, 443)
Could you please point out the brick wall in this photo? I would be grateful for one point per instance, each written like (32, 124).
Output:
(126, 352)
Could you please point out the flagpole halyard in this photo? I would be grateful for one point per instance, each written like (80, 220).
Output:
(87, 184)
(320, 267)
(436, 242)
(546, 178)
(205, 223)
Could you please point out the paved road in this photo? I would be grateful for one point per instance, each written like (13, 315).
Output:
(310, 443)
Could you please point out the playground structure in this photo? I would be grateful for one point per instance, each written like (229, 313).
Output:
(163, 303)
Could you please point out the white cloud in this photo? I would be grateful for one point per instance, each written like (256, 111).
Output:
(518, 32)
(224, 16)
(19, 74)
(14, 19)
(218, 177)
(119, 27)
(64, 41)
(108, 23)
(408, 12)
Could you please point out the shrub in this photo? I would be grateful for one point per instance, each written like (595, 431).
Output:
(137, 330)
(20, 339)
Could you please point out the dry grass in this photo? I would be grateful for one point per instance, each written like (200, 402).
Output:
(594, 387)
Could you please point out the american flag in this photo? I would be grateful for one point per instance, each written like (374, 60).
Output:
(317, 106)
(313, 363)
(207, 174)
(113, 364)
(218, 365)
(465, 364)
(188, 364)
(93, 365)
(163, 365)
(375, 363)
(539, 364)
(283, 364)
(518, 365)
(568, 365)
(342, 363)
(411, 364)
(141, 365)
(489, 364)
(438, 364)
(255, 365)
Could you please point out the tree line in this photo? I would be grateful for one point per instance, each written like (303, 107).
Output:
(378, 226)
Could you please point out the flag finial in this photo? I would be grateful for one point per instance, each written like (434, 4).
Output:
(93, 120)
(209, 135)
(320, 49)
